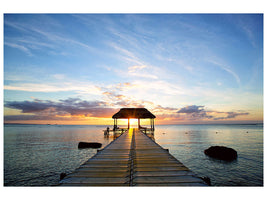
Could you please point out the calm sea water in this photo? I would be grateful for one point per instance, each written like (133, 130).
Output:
(35, 155)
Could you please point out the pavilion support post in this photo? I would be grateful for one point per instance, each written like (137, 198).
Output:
(128, 123)
(153, 124)
(116, 123)
(138, 123)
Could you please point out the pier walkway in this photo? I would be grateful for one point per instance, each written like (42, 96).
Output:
(133, 159)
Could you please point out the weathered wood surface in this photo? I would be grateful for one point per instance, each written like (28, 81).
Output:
(133, 159)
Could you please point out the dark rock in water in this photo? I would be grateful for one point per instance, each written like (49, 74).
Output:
(207, 180)
(62, 175)
(221, 152)
(89, 145)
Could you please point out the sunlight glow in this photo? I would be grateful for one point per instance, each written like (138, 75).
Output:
(130, 133)
(133, 121)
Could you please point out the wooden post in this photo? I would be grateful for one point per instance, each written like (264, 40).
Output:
(138, 123)
(153, 125)
(128, 123)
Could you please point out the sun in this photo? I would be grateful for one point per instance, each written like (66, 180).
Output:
(133, 121)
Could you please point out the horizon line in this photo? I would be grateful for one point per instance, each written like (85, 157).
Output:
(251, 123)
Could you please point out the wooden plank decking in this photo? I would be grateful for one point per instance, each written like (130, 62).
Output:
(133, 159)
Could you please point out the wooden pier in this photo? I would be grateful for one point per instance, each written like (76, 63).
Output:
(133, 159)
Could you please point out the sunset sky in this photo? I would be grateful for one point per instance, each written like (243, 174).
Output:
(82, 68)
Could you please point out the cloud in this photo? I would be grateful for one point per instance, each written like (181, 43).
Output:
(250, 35)
(247, 24)
(124, 86)
(64, 40)
(125, 54)
(191, 109)
(14, 25)
(231, 115)
(20, 47)
(31, 117)
(40, 36)
(135, 68)
(55, 87)
(59, 76)
(35, 87)
(227, 69)
(71, 108)
(140, 72)
(119, 100)
(159, 87)
(195, 112)
(67, 107)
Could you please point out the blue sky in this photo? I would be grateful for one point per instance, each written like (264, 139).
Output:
(185, 68)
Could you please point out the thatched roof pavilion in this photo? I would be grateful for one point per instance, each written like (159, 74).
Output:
(133, 113)
(136, 113)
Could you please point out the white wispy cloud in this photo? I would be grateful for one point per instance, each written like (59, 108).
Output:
(144, 75)
(81, 88)
(15, 25)
(59, 76)
(226, 68)
(38, 37)
(250, 35)
(56, 38)
(20, 47)
(33, 43)
(135, 68)
(142, 71)
(138, 67)
(126, 54)
(247, 26)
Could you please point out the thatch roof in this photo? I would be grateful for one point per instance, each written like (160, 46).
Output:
(141, 113)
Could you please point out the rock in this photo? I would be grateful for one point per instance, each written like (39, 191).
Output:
(62, 175)
(221, 152)
(94, 145)
(207, 180)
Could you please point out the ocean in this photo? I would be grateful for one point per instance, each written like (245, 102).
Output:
(36, 155)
